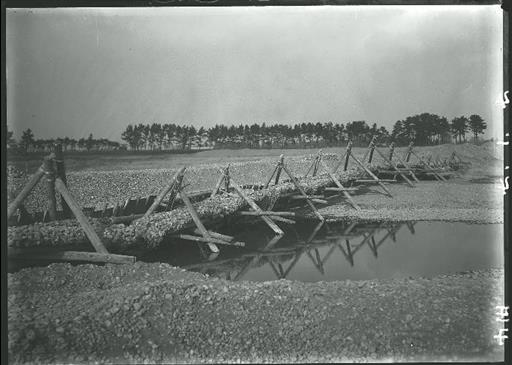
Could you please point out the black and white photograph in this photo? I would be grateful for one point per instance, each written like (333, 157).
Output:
(255, 184)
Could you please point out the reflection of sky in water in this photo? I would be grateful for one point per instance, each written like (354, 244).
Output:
(435, 248)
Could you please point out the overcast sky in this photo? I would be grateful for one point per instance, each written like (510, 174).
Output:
(75, 71)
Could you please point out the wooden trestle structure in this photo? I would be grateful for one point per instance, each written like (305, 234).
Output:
(173, 193)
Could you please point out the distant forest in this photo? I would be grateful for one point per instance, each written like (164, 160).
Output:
(422, 129)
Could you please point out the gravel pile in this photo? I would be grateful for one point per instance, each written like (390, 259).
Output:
(153, 313)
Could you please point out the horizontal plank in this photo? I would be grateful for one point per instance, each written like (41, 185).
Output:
(376, 181)
(279, 214)
(70, 256)
(300, 197)
(341, 189)
(126, 218)
(189, 237)
(220, 236)
(281, 219)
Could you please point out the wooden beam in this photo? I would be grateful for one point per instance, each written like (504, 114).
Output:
(281, 219)
(210, 240)
(197, 221)
(219, 183)
(75, 208)
(347, 155)
(219, 236)
(25, 254)
(341, 189)
(126, 218)
(34, 179)
(172, 184)
(260, 213)
(60, 171)
(375, 181)
(50, 187)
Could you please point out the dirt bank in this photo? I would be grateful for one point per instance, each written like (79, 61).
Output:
(157, 313)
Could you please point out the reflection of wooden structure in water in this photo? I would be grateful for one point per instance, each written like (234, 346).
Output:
(276, 257)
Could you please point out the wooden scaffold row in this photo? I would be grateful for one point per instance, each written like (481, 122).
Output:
(54, 175)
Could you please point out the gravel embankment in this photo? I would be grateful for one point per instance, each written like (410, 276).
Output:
(157, 313)
(454, 200)
(97, 188)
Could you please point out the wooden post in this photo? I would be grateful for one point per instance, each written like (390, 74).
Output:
(391, 150)
(198, 222)
(15, 204)
(279, 168)
(219, 183)
(408, 153)
(226, 179)
(164, 192)
(75, 208)
(61, 173)
(347, 155)
(315, 165)
(370, 173)
(369, 151)
(271, 176)
(50, 186)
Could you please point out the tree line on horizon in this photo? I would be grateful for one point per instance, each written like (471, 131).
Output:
(422, 129)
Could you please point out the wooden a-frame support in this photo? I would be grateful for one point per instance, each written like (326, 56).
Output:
(266, 216)
(410, 152)
(315, 166)
(388, 161)
(56, 184)
(407, 167)
(349, 154)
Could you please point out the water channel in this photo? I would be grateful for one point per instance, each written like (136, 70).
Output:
(310, 251)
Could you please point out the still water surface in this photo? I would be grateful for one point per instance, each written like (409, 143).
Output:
(313, 252)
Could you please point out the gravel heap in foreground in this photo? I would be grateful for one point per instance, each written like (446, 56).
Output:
(157, 313)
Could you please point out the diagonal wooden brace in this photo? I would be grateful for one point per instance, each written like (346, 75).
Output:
(256, 208)
(339, 185)
(377, 180)
(428, 167)
(303, 193)
(75, 209)
(15, 204)
(390, 163)
(171, 186)
(198, 222)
